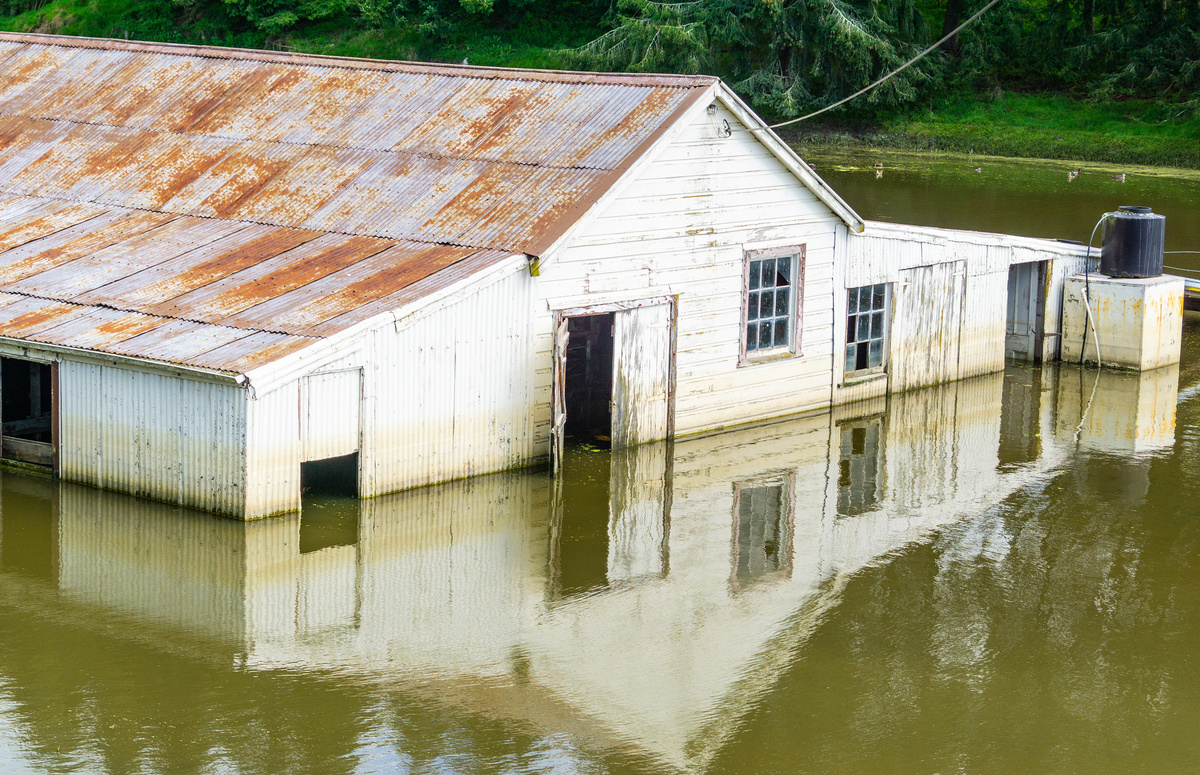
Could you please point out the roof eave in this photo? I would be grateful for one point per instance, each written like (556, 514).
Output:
(789, 158)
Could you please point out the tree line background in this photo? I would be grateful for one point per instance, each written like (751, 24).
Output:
(787, 57)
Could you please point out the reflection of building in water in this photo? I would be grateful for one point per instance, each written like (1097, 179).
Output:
(710, 562)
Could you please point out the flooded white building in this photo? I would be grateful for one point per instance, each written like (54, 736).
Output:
(222, 271)
(661, 637)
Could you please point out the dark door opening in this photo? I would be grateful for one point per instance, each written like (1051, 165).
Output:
(26, 411)
(337, 476)
(588, 378)
(329, 508)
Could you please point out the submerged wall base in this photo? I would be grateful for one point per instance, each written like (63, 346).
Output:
(1138, 322)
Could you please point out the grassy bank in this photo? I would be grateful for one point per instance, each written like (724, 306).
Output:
(1035, 126)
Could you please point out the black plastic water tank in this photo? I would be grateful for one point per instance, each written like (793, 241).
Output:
(1133, 243)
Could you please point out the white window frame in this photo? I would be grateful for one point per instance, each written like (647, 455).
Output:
(885, 340)
(795, 305)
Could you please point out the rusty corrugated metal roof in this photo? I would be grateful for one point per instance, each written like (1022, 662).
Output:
(221, 207)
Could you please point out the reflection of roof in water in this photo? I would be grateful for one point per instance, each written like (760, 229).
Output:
(445, 596)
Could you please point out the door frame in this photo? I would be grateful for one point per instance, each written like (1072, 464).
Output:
(558, 408)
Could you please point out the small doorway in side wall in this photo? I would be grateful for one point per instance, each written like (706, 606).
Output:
(27, 396)
(1024, 330)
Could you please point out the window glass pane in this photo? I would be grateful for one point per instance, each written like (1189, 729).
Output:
(850, 351)
(852, 303)
(755, 266)
(781, 303)
(864, 298)
(876, 353)
(877, 325)
(764, 335)
(783, 267)
(877, 301)
(767, 304)
(752, 307)
(768, 273)
(781, 336)
(752, 336)
(864, 328)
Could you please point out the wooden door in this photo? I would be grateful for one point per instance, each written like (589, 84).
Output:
(927, 324)
(1022, 337)
(642, 344)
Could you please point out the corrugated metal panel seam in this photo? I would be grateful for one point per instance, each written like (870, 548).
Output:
(338, 146)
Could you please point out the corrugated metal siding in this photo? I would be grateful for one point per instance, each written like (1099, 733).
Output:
(329, 414)
(153, 435)
(273, 452)
(450, 394)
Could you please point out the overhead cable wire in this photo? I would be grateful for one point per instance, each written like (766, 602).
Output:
(887, 77)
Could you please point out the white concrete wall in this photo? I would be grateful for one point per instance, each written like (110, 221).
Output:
(157, 435)
(678, 226)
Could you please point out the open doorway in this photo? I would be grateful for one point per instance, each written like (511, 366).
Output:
(1026, 311)
(588, 382)
(26, 411)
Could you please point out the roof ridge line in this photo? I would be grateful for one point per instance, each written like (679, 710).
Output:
(415, 240)
(362, 63)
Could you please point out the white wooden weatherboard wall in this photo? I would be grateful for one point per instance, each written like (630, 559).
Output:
(949, 300)
(678, 226)
(158, 435)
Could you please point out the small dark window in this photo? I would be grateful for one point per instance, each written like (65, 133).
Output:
(860, 466)
(762, 517)
(866, 328)
(770, 302)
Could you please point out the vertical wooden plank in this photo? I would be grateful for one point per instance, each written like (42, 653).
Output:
(559, 405)
(641, 374)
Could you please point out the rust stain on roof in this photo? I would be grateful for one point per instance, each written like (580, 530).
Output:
(347, 185)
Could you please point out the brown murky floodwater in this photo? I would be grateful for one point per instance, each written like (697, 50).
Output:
(996, 576)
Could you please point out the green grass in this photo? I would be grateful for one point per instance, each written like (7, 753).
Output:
(1034, 126)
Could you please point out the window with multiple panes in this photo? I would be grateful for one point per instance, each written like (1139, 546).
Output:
(866, 328)
(761, 522)
(860, 466)
(770, 302)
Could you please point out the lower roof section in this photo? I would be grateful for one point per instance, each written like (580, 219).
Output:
(209, 293)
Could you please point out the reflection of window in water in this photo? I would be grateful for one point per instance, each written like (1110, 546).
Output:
(761, 540)
(860, 467)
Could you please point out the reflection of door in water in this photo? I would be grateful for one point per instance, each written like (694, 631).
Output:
(1026, 306)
